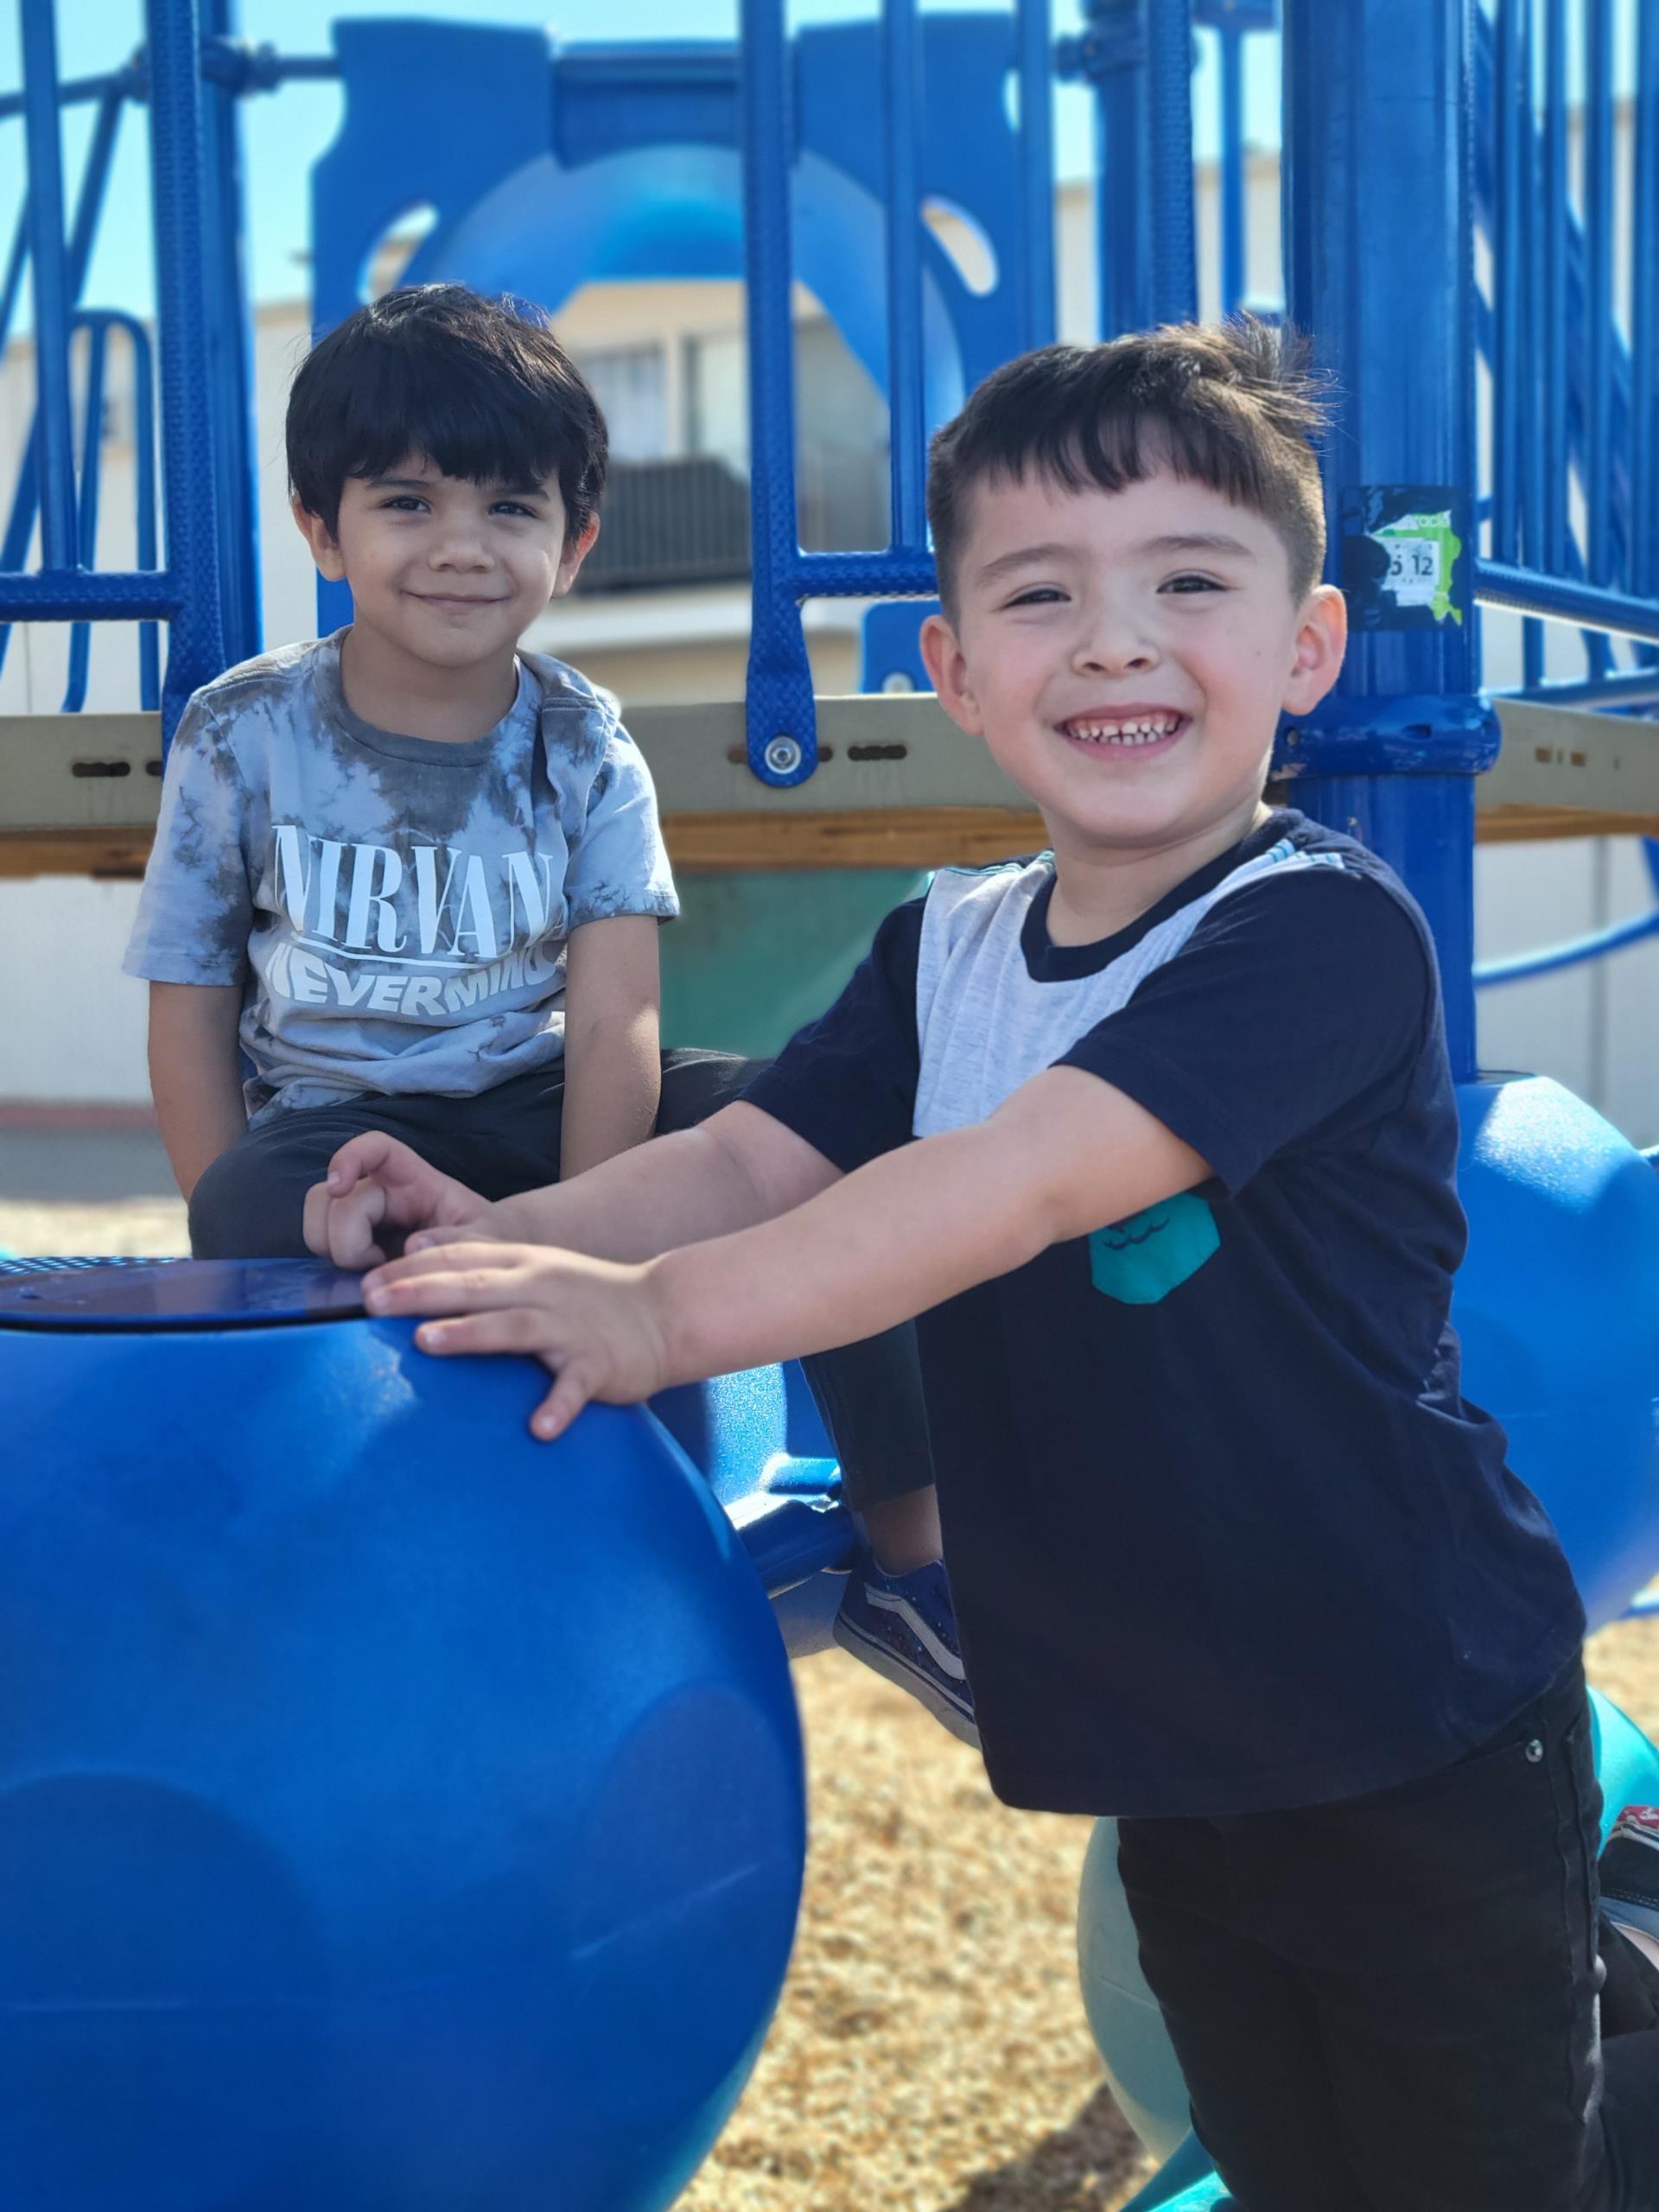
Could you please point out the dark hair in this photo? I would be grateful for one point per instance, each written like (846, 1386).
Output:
(1232, 405)
(481, 387)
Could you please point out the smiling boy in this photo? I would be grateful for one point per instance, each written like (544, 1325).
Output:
(1156, 1133)
(409, 874)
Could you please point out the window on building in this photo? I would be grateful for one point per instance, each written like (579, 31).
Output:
(630, 384)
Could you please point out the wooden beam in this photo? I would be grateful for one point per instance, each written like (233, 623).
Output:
(899, 786)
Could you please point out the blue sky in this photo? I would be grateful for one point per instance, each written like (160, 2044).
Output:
(284, 133)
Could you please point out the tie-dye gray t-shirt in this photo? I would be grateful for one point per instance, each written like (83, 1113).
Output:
(395, 908)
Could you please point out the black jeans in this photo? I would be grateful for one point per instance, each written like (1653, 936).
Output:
(1391, 2004)
(250, 1203)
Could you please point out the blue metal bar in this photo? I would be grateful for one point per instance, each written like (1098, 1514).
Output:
(1501, 585)
(231, 333)
(1374, 89)
(75, 92)
(89, 205)
(907, 400)
(1530, 443)
(1525, 965)
(1597, 247)
(1624, 687)
(1554, 457)
(1235, 277)
(1508, 275)
(73, 595)
(92, 456)
(56, 443)
(1168, 184)
(1644, 311)
(1036, 173)
(196, 645)
(781, 721)
(858, 576)
(1112, 56)
(144, 448)
(12, 283)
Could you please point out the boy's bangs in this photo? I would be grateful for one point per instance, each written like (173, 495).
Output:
(466, 424)
(1110, 450)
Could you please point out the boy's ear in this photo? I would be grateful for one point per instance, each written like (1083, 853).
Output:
(945, 661)
(325, 547)
(576, 550)
(1321, 640)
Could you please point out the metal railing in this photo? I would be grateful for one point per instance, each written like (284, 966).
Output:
(1573, 456)
(781, 719)
(52, 495)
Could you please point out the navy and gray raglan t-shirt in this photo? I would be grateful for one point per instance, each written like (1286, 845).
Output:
(1223, 1534)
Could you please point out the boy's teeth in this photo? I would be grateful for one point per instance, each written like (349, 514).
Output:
(1142, 731)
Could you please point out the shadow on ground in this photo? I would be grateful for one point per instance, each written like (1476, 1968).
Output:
(1091, 2167)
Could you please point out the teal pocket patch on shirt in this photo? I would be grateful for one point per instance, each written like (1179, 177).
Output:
(1139, 1260)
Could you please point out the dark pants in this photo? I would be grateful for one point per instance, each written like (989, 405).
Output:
(250, 1204)
(1391, 2004)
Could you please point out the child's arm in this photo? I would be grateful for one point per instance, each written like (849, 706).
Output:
(193, 1076)
(739, 1167)
(613, 1064)
(1066, 1153)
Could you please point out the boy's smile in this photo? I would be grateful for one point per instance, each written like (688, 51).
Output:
(1125, 656)
(446, 575)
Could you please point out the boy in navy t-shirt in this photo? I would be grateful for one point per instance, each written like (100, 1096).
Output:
(1156, 1133)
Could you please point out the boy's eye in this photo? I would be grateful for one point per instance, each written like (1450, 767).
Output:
(403, 503)
(1194, 583)
(1038, 595)
(512, 507)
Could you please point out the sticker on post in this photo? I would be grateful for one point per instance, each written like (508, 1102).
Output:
(1400, 544)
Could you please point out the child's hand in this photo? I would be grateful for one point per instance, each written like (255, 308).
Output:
(376, 1185)
(593, 1323)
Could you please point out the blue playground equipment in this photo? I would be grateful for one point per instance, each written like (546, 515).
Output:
(564, 1930)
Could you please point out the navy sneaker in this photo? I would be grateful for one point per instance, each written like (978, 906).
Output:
(1629, 1870)
(905, 1626)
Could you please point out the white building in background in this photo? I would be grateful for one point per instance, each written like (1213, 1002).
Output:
(666, 618)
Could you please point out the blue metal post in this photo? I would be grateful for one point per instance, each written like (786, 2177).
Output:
(1599, 291)
(230, 326)
(1112, 56)
(1168, 181)
(55, 443)
(906, 403)
(1235, 277)
(1036, 171)
(1645, 312)
(781, 721)
(1383, 280)
(196, 645)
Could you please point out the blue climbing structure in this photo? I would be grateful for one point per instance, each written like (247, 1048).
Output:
(1470, 233)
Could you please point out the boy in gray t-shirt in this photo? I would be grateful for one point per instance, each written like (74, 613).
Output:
(408, 876)
(413, 876)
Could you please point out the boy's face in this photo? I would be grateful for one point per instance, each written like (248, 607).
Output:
(1125, 655)
(446, 572)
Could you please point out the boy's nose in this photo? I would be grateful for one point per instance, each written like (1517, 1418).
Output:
(1114, 648)
(461, 549)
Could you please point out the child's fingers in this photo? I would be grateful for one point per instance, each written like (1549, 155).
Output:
(314, 1221)
(361, 1157)
(499, 1328)
(461, 1278)
(351, 1225)
(423, 1239)
(569, 1394)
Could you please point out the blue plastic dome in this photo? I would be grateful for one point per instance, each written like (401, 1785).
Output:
(394, 1812)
